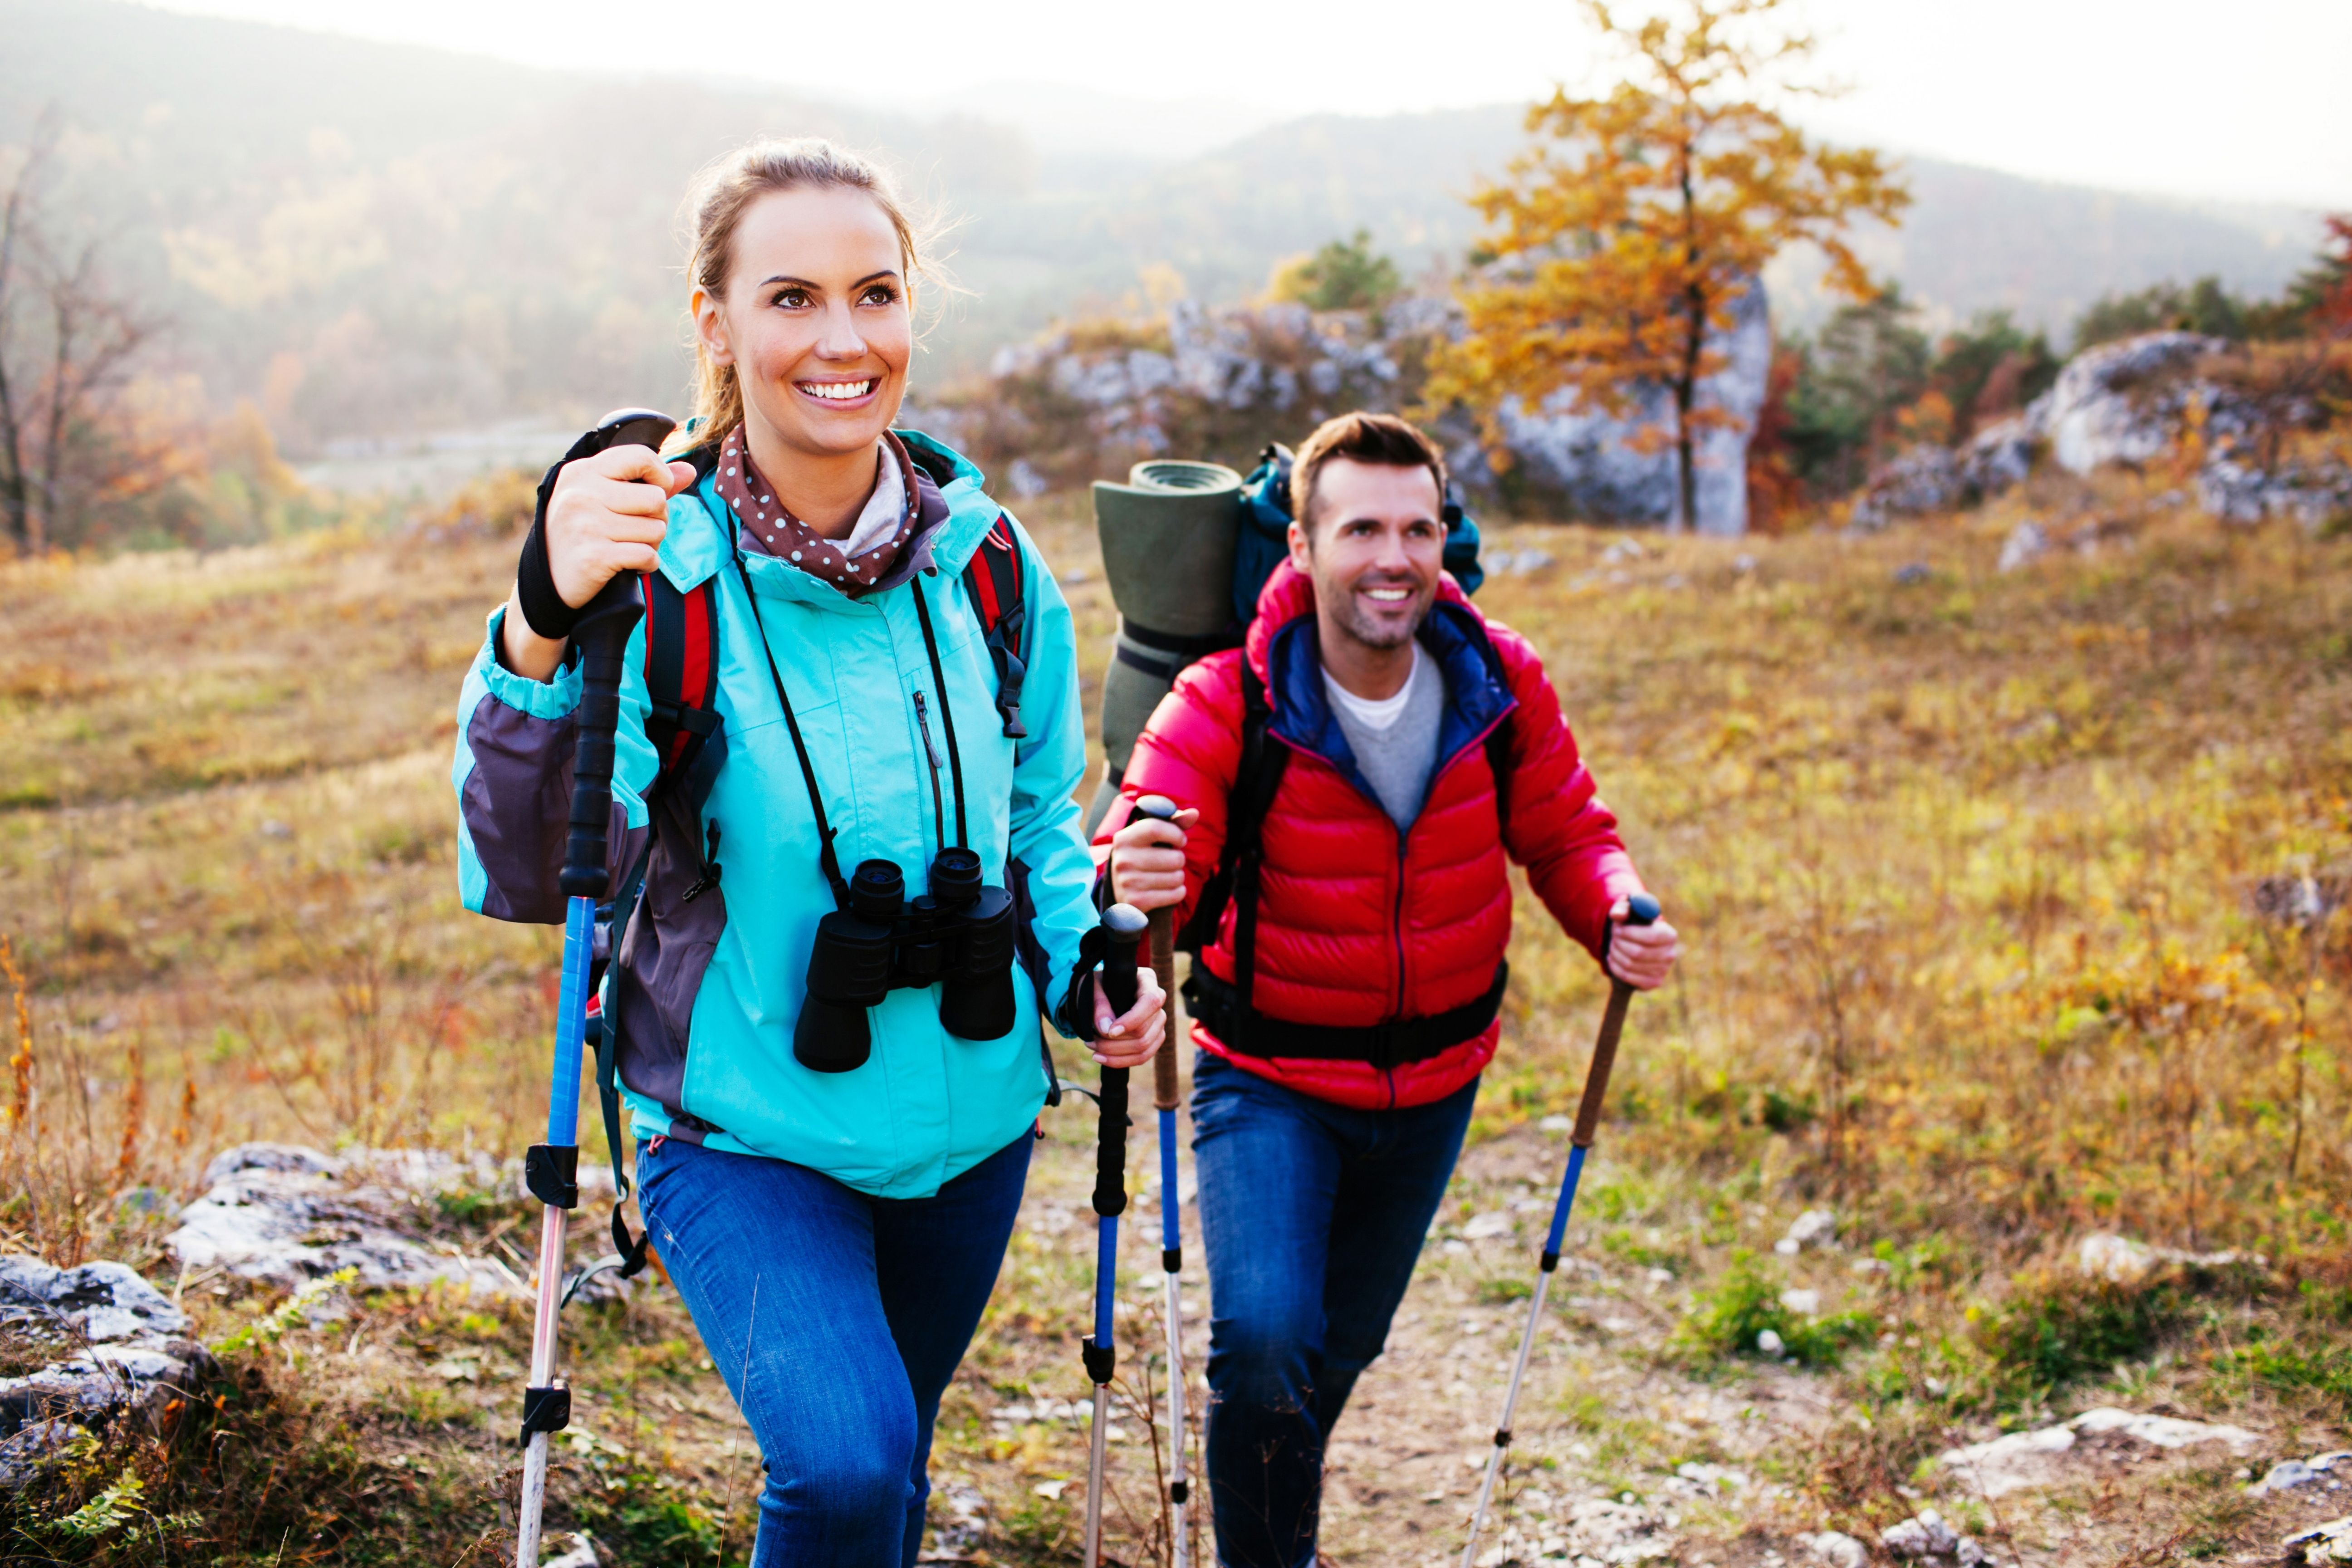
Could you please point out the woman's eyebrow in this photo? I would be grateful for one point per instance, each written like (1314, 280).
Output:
(818, 288)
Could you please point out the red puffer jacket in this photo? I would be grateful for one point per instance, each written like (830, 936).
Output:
(1359, 924)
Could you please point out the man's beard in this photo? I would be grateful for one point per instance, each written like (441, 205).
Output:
(1377, 635)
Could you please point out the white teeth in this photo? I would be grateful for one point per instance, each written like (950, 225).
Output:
(837, 390)
(1389, 595)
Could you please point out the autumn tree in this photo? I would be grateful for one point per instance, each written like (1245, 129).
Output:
(67, 340)
(1624, 238)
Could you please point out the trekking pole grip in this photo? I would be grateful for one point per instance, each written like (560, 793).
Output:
(601, 636)
(1160, 808)
(1641, 909)
(1123, 929)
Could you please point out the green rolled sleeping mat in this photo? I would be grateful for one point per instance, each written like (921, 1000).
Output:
(1169, 535)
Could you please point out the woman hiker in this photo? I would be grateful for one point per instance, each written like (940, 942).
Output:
(829, 1180)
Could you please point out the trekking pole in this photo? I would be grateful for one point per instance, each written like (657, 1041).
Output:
(1160, 808)
(1123, 925)
(551, 1170)
(1640, 910)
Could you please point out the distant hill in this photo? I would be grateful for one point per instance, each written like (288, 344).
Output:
(373, 239)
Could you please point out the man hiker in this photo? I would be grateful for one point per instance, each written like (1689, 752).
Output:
(1394, 750)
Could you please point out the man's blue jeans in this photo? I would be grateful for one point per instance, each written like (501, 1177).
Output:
(1314, 1215)
(837, 1320)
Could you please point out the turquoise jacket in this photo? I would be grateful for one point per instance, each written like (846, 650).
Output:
(706, 988)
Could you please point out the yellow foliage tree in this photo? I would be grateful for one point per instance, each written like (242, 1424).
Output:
(1619, 243)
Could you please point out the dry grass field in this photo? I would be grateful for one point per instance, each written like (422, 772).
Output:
(2014, 904)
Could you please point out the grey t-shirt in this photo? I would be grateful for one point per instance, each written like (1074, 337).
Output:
(1395, 739)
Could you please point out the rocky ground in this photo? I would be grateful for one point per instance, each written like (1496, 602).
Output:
(389, 1292)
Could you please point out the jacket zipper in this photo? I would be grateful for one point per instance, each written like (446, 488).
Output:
(1396, 933)
(931, 754)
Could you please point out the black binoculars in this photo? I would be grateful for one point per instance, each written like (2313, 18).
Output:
(959, 936)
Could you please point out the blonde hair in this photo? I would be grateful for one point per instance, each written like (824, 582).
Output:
(723, 194)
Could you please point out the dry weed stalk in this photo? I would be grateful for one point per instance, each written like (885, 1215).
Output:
(134, 1109)
(20, 1065)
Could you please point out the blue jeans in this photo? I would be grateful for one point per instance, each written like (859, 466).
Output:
(837, 1320)
(1314, 1215)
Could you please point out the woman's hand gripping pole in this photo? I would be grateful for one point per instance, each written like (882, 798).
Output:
(551, 1169)
(1123, 928)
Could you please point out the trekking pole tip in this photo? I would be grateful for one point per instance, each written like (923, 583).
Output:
(1125, 921)
(1157, 807)
(1642, 909)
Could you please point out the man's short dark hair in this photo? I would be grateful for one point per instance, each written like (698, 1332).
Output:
(1378, 438)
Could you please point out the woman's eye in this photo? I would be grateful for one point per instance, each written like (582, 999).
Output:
(793, 298)
(881, 294)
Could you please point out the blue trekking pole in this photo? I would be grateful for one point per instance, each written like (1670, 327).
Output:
(1640, 910)
(1123, 926)
(551, 1170)
(1171, 1210)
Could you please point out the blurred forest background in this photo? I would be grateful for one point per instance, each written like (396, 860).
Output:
(393, 267)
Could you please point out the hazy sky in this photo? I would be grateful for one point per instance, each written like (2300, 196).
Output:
(2244, 101)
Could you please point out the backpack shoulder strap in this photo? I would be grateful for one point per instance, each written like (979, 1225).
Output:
(681, 673)
(1255, 781)
(992, 581)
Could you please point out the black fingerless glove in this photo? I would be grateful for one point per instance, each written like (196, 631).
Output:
(542, 607)
(1076, 1017)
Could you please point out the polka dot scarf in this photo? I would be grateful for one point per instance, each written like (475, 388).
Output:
(773, 530)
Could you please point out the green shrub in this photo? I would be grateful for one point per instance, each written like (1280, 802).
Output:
(2055, 1330)
(1727, 1318)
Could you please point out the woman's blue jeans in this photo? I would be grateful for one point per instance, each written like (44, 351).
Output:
(1313, 1216)
(837, 1320)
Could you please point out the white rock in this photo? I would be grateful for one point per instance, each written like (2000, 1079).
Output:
(1998, 457)
(1616, 1533)
(1710, 1478)
(2026, 544)
(2329, 1543)
(2285, 1476)
(2010, 1463)
(1925, 1535)
(1485, 1227)
(1555, 1125)
(1593, 459)
(2136, 1259)
(2123, 401)
(2162, 1431)
(1923, 480)
(287, 1215)
(1804, 1303)
(1769, 1343)
(1814, 1228)
(581, 1555)
(1837, 1549)
(136, 1363)
(99, 1301)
